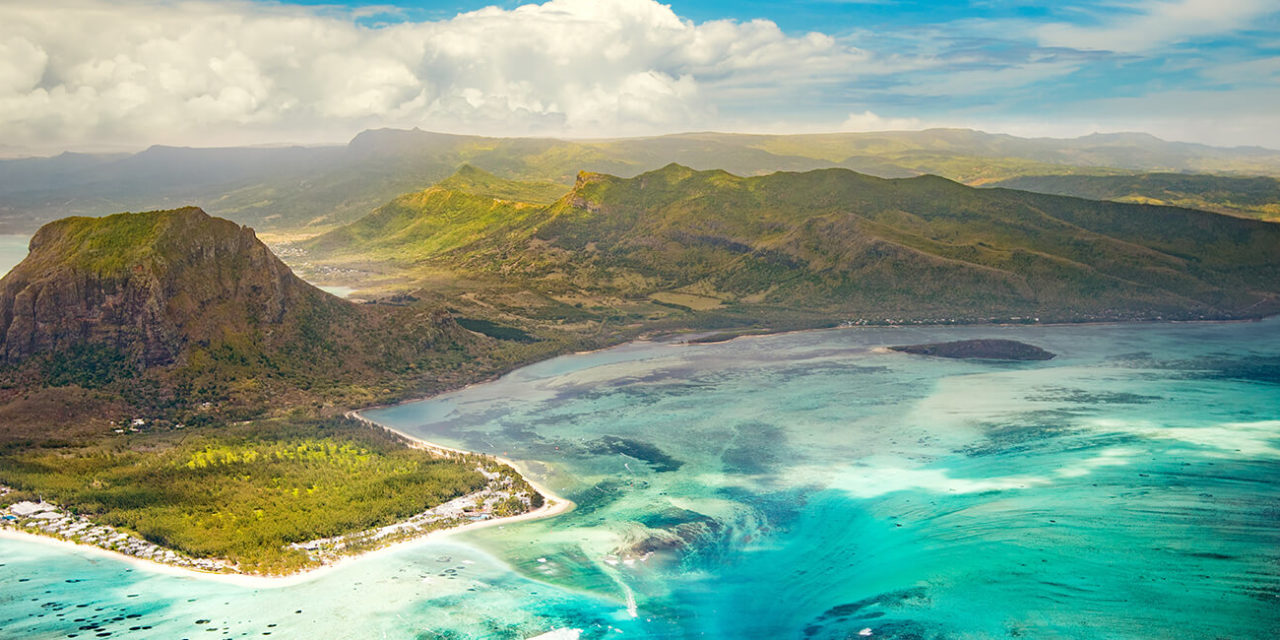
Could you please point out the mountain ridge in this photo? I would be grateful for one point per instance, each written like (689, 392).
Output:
(836, 241)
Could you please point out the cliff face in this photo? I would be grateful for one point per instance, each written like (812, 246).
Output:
(149, 285)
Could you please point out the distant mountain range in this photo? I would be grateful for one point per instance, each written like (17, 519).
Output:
(829, 243)
(301, 187)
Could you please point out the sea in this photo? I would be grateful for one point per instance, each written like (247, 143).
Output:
(13, 248)
(810, 485)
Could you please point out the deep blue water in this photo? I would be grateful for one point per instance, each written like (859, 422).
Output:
(809, 485)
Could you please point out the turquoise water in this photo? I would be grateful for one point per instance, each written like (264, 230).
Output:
(13, 248)
(341, 292)
(808, 485)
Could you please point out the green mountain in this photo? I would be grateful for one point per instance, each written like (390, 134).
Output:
(1252, 197)
(159, 313)
(315, 187)
(830, 244)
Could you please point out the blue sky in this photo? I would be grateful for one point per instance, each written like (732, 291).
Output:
(86, 73)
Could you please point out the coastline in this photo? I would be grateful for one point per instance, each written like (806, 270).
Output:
(553, 505)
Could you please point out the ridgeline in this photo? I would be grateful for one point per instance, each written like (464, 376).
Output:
(804, 249)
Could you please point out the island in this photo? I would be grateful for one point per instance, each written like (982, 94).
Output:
(987, 349)
(166, 377)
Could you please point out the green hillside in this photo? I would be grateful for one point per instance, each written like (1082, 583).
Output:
(1252, 197)
(828, 244)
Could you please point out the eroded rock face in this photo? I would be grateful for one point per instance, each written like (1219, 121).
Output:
(146, 284)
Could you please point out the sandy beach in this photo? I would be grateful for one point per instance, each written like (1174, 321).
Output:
(552, 505)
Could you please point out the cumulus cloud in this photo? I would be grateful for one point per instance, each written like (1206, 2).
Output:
(73, 71)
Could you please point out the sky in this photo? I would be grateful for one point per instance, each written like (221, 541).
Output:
(91, 75)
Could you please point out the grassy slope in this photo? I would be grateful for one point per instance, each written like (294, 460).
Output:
(1251, 197)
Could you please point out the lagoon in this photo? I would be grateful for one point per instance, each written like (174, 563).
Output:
(806, 485)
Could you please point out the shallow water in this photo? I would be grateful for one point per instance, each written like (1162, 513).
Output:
(807, 485)
(13, 248)
(340, 291)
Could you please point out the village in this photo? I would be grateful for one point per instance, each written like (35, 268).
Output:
(44, 518)
(501, 498)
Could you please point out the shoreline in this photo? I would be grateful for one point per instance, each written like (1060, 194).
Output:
(553, 505)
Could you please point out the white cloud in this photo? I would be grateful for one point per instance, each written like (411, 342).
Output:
(94, 71)
(1157, 22)
(868, 121)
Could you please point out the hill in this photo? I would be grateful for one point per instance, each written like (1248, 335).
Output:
(188, 318)
(829, 244)
(318, 187)
(1248, 197)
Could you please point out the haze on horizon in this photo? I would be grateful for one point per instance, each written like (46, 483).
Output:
(87, 75)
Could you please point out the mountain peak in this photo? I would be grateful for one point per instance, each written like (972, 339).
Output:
(673, 172)
(146, 285)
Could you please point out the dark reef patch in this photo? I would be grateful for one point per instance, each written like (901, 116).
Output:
(755, 449)
(644, 451)
(1080, 396)
(979, 350)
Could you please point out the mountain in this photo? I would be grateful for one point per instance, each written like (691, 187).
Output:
(151, 286)
(166, 310)
(1249, 197)
(828, 243)
(288, 188)
(468, 204)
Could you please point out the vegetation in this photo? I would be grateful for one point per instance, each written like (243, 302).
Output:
(1248, 197)
(678, 247)
(244, 493)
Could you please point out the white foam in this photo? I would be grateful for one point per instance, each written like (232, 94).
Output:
(1251, 439)
(559, 634)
